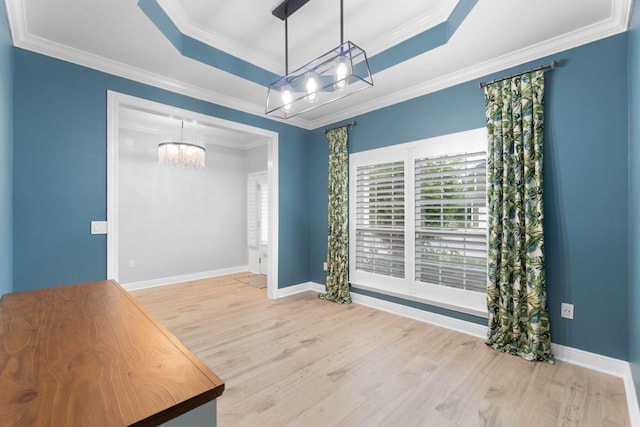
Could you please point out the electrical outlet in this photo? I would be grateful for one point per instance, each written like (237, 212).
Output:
(324, 266)
(132, 263)
(566, 310)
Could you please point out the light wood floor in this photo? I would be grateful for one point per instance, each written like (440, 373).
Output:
(301, 361)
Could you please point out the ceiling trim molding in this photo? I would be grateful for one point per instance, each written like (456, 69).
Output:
(616, 24)
(189, 28)
(137, 127)
(16, 15)
(204, 53)
(423, 42)
(208, 139)
(412, 28)
(89, 60)
(22, 39)
(209, 54)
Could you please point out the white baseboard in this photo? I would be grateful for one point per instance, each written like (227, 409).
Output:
(632, 398)
(296, 289)
(607, 365)
(596, 362)
(182, 278)
(317, 287)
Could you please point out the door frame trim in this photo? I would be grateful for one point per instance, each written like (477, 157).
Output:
(115, 102)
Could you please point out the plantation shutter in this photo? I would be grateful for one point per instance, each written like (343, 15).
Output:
(380, 236)
(451, 220)
(264, 213)
(252, 220)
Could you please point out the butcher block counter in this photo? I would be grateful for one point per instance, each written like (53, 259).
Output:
(90, 355)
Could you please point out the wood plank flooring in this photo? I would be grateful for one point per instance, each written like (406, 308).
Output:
(301, 361)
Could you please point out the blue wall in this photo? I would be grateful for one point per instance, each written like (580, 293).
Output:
(634, 196)
(59, 179)
(585, 184)
(60, 172)
(6, 154)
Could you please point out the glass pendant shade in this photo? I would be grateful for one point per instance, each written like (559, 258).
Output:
(343, 70)
(311, 86)
(187, 150)
(334, 75)
(287, 97)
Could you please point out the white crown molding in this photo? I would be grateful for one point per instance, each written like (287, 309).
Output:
(137, 127)
(208, 139)
(409, 29)
(621, 12)
(416, 26)
(251, 145)
(16, 15)
(616, 24)
(185, 24)
(24, 40)
(89, 60)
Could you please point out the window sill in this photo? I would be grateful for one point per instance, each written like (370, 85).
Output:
(474, 309)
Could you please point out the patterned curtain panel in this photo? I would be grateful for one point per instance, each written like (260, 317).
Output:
(516, 289)
(338, 240)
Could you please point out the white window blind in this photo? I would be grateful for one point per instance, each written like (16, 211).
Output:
(380, 235)
(450, 220)
(264, 213)
(418, 221)
(252, 221)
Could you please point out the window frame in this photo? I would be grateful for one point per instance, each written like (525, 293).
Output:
(466, 301)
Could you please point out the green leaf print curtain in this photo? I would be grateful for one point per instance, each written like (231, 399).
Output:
(338, 240)
(516, 289)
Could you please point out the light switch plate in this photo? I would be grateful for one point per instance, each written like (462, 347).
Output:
(98, 227)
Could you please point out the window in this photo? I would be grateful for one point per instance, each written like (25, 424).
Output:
(380, 219)
(419, 221)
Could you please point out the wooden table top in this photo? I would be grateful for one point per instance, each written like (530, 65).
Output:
(90, 355)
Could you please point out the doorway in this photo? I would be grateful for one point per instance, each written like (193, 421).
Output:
(118, 106)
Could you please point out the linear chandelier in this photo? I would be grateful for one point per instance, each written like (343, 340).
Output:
(340, 72)
(182, 153)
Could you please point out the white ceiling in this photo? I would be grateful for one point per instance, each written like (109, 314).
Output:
(115, 36)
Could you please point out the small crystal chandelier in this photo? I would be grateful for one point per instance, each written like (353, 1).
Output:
(181, 153)
(340, 72)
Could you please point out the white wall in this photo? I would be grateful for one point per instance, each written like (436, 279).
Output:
(257, 158)
(176, 221)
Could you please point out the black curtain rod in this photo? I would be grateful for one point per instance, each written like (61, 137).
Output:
(348, 125)
(550, 65)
